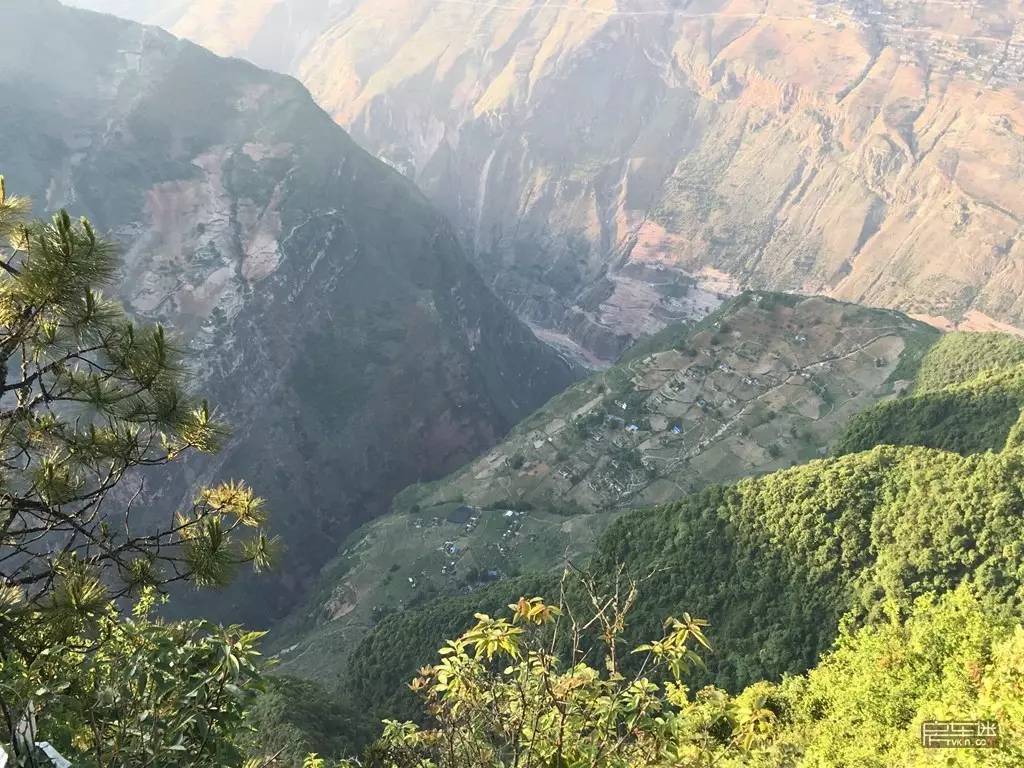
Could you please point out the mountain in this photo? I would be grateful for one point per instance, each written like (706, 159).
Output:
(774, 562)
(925, 496)
(967, 398)
(768, 381)
(271, 33)
(863, 149)
(336, 320)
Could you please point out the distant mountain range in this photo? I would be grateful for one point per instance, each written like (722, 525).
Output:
(337, 323)
(866, 150)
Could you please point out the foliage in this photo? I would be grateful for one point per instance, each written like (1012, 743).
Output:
(967, 418)
(89, 401)
(293, 718)
(93, 398)
(403, 642)
(501, 696)
(775, 562)
(863, 705)
(959, 357)
(135, 691)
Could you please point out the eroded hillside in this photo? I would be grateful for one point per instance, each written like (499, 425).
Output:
(866, 149)
(338, 324)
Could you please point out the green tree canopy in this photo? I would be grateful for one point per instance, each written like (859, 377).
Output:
(500, 696)
(87, 400)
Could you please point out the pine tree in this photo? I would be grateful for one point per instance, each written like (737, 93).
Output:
(87, 400)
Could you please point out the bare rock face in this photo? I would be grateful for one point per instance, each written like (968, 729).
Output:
(337, 322)
(867, 149)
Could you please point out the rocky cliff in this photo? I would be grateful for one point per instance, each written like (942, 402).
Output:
(866, 149)
(337, 322)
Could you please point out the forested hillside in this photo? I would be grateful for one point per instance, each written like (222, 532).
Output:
(978, 415)
(777, 564)
(872, 702)
(958, 357)
(766, 382)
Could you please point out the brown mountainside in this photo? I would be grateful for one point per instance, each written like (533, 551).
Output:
(867, 149)
(349, 341)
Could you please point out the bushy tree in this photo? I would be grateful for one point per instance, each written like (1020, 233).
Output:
(89, 401)
(524, 690)
(950, 659)
(502, 695)
(135, 691)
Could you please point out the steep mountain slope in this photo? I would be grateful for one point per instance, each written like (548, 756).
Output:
(338, 324)
(957, 358)
(271, 33)
(766, 382)
(774, 561)
(868, 150)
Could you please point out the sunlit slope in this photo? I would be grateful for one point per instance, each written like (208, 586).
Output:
(871, 153)
(767, 382)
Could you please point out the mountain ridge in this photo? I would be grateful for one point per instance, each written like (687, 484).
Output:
(831, 148)
(766, 382)
(337, 322)
(910, 508)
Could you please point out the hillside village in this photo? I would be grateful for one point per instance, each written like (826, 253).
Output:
(972, 39)
(764, 383)
(726, 395)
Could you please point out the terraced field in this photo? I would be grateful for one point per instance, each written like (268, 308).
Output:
(764, 383)
(768, 381)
